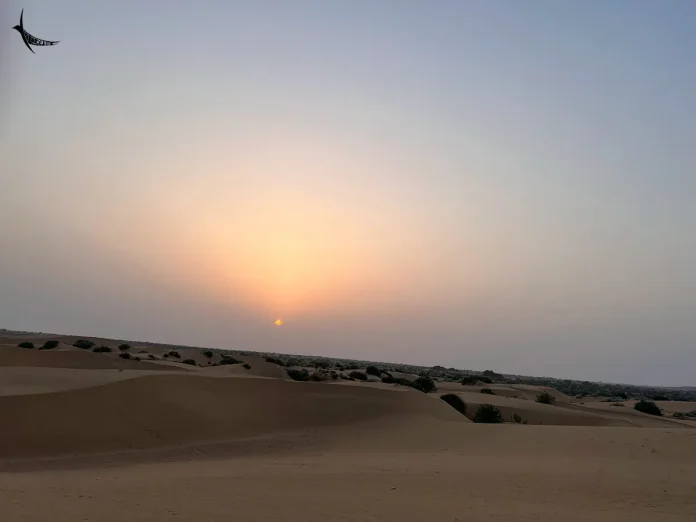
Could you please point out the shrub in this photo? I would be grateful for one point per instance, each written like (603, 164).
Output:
(488, 414)
(487, 391)
(648, 407)
(190, 362)
(425, 384)
(320, 364)
(545, 398)
(517, 418)
(151, 357)
(101, 349)
(83, 344)
(373, 370)
(173, 353)
(166, 356)
(455, 401)
(678, 415)
(247, 366)
(618, 404)
(273, 360)
(298, 375)
(208, 353)
(26, 344)
(49, 345)
(124, 347)
(358, 376)
(124, 355)
(136, 358)
(226, 359)
(469, 380)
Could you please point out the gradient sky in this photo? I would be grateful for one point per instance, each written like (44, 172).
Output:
(479, 184)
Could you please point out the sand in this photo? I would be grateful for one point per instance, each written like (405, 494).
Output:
(82, 440)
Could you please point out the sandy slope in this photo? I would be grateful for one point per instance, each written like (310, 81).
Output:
(74, 358)
(167, 409)
(383, 470)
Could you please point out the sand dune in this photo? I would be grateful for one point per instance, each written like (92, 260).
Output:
(563, 414)
(78, 359)
(170, 409)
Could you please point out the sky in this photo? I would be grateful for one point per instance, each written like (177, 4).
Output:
(481, 184)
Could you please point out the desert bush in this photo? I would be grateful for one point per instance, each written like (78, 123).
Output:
(247, 366)
(298, 375)
(226, 359)
(83, 344)
(659, 397)
(124, 347)
(373, 370)
(455, 401)
(101, 349)
(545, 398)
(488, 414)
(469, 380)
(136, 358)
(208, 353)
(678, 415)
(648, 407)
(151, 357)
(358, 376)
(320, 364)
(190, 362)
(425, 384)
(618, 405)
(49, 345)
(26, 344)
(172, 353)
(516, 418)
(487, 391)
(334, 376)
(274, 360)
(124, 355)
(166, 356)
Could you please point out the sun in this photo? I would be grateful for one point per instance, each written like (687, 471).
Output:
(279, 322)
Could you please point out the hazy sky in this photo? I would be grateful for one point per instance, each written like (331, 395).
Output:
(479, 184)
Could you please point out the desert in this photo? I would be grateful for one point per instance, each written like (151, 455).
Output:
(99, 435)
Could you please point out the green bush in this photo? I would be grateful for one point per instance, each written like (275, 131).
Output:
(517, 418)
(487, 391)
(274, 360)
(546, 398)
(358, 376)
(425, 384)
(83, 344)
(124, 347)
(455, 401)
(226, 359)
(101, 349)
(208, 353)
(298, 375)
(648, 407)
(488, 414)
(373, 370)
(49, 345)
(26, 344)
(247, 366)
(172, 353)
(124, 355)
(190, 362)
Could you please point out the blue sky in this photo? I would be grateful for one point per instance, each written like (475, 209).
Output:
(483, 184)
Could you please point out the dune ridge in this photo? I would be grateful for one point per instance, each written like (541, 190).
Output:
(159, 410)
